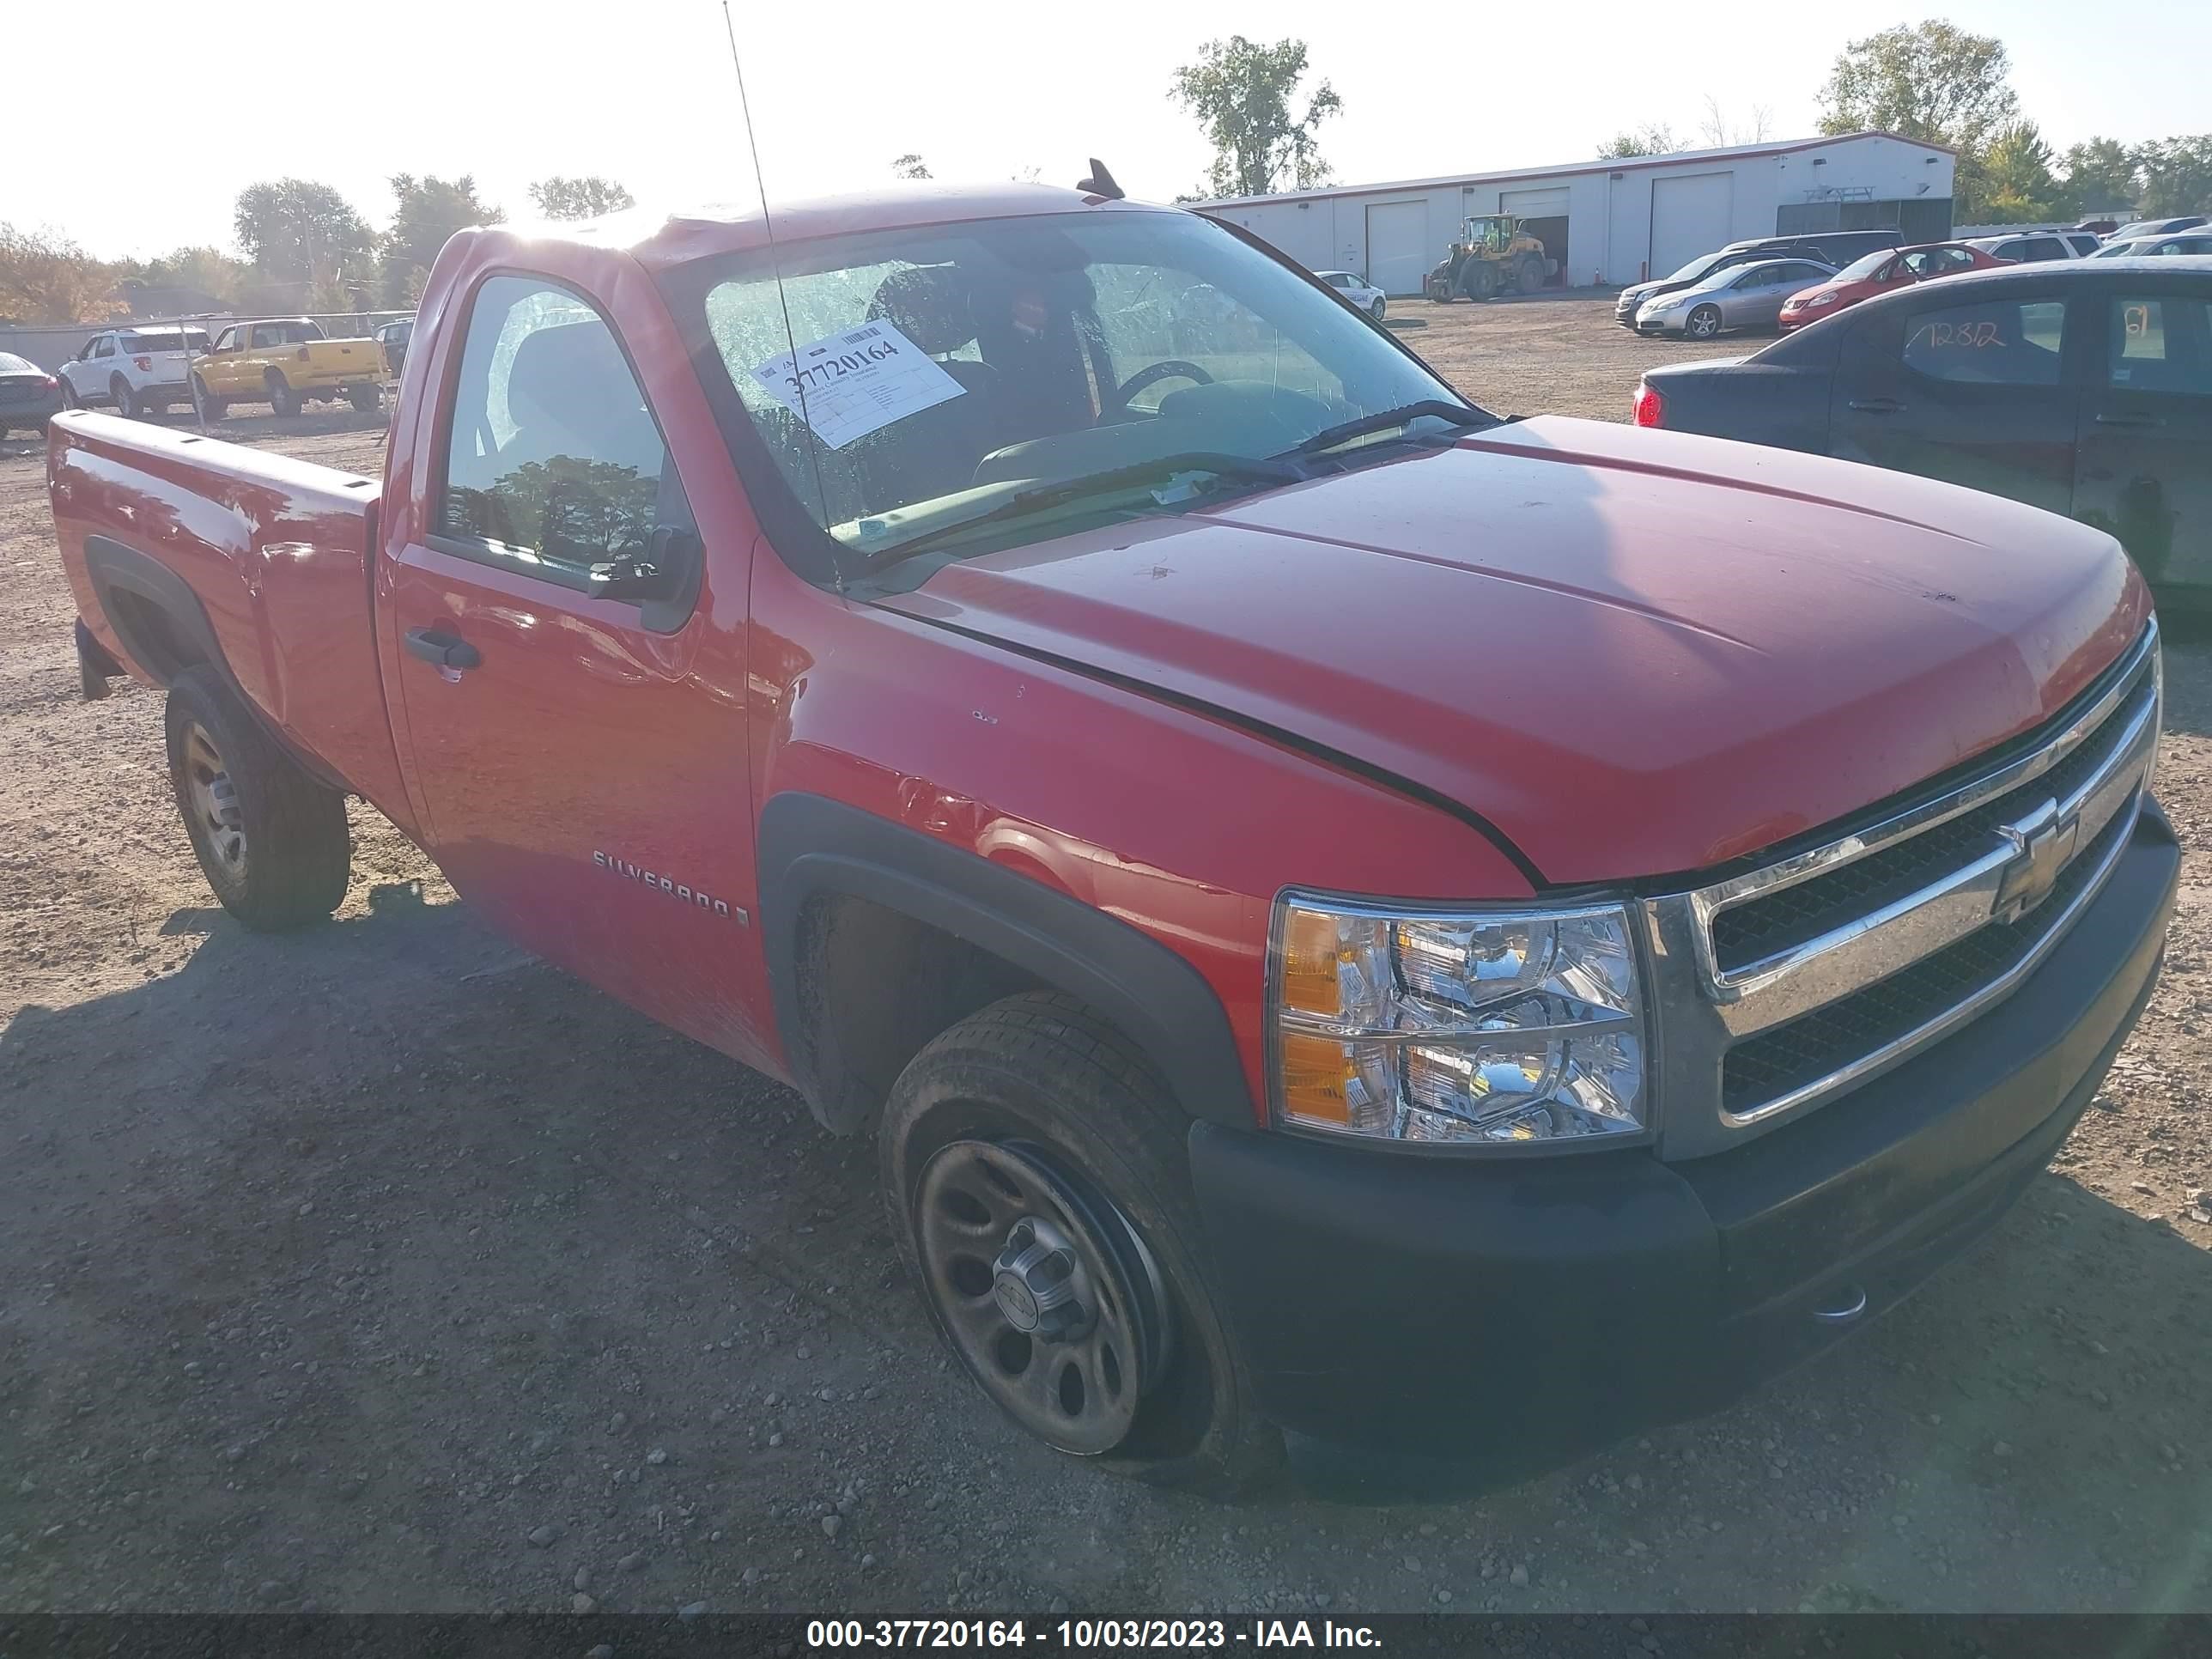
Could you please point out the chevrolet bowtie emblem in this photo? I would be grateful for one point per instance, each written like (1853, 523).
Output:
(2043, 842)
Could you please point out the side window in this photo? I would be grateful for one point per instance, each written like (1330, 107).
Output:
(1757, 276)
(2010, 250)
(103, 346)
(2162, 344)
(264, 335)
(1996, 342)
(552, 457)
(1803, 273)
(226, 340)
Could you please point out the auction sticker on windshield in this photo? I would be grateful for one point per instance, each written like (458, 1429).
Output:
(847, 386)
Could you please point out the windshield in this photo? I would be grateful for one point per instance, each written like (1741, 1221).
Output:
(944, 369)
(1701, 266)
(1859, 270)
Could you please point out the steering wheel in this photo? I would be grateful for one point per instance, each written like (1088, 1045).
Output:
(1173, 368)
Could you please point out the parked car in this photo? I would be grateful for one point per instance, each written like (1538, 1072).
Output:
(2194, 243)
(2082, 387)
(1878, 273)
(1357, 291)
(391, 340)
(141, 371)
(286, 362)
(1742, 296)
(2142, 228)
(1636, 295)
(1021, 733)
(29, 396)
(2031, 249)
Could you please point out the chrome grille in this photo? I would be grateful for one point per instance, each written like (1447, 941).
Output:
(1789, 984)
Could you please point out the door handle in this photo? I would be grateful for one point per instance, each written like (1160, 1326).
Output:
(1877, 405)
(2130, 420)
(443, 649)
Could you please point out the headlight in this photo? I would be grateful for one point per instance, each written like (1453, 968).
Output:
(1824, 297)
(1667, 302)
(1457, 1029)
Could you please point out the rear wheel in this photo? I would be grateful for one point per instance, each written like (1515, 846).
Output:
(271, 840)
(1703, 323)
(1035, 1170)
(1531, 274)
(283, 400)
(206, 404)
(366, 399)
(126, 401)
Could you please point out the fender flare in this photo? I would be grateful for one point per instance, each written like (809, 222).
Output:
(812, 847)
(109, 565)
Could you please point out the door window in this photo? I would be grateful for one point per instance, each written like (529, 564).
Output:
(1996, 342)
(227, 339)
(1757, 277)
(554, 463)
(2159, 344)
(103, 346)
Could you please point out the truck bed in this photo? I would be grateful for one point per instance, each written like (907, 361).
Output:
(183, 549)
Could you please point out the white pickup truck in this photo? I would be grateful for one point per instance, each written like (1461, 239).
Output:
(142, 370)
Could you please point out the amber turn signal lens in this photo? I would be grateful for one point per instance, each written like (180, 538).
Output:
(1318, 1076)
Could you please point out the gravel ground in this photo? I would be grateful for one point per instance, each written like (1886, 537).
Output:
(325, 1288)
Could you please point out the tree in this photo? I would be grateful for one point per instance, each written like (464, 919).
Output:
(1652, 138)
(426, 212)
(2100, 174)
(2018, 187)
(2177, 175)
(205, 270)
(584, 197)
(297, 231)
(45, 278)
(1719, 133)
(910, 166)
(1241, 94)
(1933, 81)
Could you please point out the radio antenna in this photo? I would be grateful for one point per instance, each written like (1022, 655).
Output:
(775, 266)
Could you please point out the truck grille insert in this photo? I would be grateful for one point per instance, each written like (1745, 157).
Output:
(1795, 982)
(1814, 1046)
(1793, 916)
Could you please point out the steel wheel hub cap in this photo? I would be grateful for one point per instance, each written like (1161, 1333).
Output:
(1050, 1298)
(215, 799)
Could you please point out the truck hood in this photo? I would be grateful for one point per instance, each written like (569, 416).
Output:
(1634, 654)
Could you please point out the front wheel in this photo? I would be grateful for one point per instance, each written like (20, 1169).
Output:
(1376, 310)
(1034, 1168)
(206, 404)
(1703, 324)
(271, 840)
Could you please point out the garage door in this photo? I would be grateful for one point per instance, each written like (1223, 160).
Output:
(1397, 245)
(1535, 203)
(1690, 216)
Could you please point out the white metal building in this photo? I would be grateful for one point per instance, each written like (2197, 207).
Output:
(1616, 221)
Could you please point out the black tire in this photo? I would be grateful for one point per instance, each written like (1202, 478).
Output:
(1479, 281)
(209, 407)
(271, 840)
(1703, 323)
(1376, 310)
(366, 399)
(283, 400)
(1043, 1078)
(70, 399)
(1531, 274)
(126, 401)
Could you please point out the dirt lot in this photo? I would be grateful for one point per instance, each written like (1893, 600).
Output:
(385, 1269)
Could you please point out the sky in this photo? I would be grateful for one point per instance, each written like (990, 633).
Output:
(148, 151)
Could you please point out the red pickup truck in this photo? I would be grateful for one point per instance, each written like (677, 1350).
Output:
(1343, 912)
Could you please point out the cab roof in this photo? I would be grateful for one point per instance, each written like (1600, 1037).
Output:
(660, 239)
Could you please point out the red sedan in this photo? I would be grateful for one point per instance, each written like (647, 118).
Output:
(1878, 273)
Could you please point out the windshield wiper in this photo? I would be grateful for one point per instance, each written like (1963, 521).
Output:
(1259, 469)
(1344, 431)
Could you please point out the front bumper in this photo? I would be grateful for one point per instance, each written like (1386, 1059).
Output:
(1555, 1305)
(1669, 324)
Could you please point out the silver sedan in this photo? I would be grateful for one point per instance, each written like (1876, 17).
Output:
(1740, 296)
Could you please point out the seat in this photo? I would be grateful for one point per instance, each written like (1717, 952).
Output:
(933, 451)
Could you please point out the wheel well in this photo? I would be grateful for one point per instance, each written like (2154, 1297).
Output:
(874, 987)
(154, 636)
